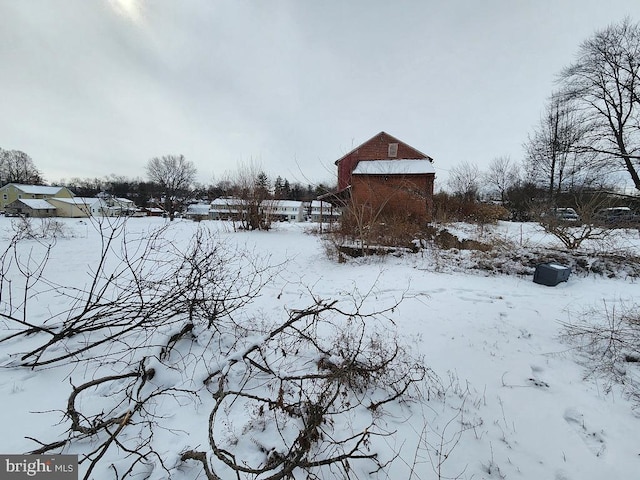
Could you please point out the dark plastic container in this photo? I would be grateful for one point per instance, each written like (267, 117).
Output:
(551, 274)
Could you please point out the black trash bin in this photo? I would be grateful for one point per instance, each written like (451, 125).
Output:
(551, 274)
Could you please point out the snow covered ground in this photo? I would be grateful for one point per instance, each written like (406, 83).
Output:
(515, 402)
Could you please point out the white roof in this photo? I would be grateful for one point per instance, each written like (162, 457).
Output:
(227, 201)
(37, 189)
(318, 204)
(283, 203)
(199, 208)
(37, 204)
(393, 167)
(78, 200)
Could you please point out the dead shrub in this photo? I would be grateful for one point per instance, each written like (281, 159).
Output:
(359, 235)
(609, 341)
(454, 208)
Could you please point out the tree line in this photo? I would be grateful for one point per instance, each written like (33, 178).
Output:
(588, 136)
(170, 182)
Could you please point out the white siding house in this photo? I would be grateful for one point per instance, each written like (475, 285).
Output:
(318, 211)
(283, 210)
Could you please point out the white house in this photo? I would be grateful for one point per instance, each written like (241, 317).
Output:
(227, 208)
(198, 211)
(318, 211)
(232, 208)
(283, 210)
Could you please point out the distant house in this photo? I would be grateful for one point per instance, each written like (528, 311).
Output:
(30, 208)
(11, 192)
(153, 211)
(227, 208)
(198, 211)
(317, 211)
(120, 207)
(78, 207)
(385, 175)
(283, 210)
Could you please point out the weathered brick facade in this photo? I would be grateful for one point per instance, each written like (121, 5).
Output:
(403, 194)
(409, 196)
(376, 148)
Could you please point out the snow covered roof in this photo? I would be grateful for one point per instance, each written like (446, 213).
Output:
(37, 189)
(393, 167)
(318, 204)
(78, 200)
(199, 208)
(226, 201)
(37, 204)
(283, 203)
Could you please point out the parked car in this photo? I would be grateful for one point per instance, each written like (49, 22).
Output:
(566, 215)
(618, 217)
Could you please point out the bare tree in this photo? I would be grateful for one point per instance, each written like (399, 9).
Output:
(605, 82)
(553, 157)
(465, 180)
(251, 190)
(502, 175)
(175, 175)
(18, 167)
(572, 234)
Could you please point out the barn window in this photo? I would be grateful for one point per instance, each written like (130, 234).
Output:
(393, 149)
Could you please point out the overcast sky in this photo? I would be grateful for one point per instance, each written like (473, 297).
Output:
(97, 87)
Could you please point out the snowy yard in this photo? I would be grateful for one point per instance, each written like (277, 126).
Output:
(513, 400)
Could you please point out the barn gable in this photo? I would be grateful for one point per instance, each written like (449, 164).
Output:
(380, 147)
(385, 174)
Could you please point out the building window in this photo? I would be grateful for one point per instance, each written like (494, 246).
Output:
(393, 150)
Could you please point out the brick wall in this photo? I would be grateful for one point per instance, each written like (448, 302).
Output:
(376, 148)
(402, 194)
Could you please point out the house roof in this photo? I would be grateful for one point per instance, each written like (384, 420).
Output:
(199, 208)
(78, 200)
(283, 203)
(226, 201)
(36, 189)
(391, 137)
(37, 204)
(394, 167)
(319, 203)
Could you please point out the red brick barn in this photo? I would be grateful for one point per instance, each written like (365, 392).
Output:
(386, 176)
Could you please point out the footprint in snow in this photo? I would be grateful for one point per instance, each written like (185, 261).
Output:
(535, 380)
(595, 441)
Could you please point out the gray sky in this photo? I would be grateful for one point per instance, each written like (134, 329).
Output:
(95, 87)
